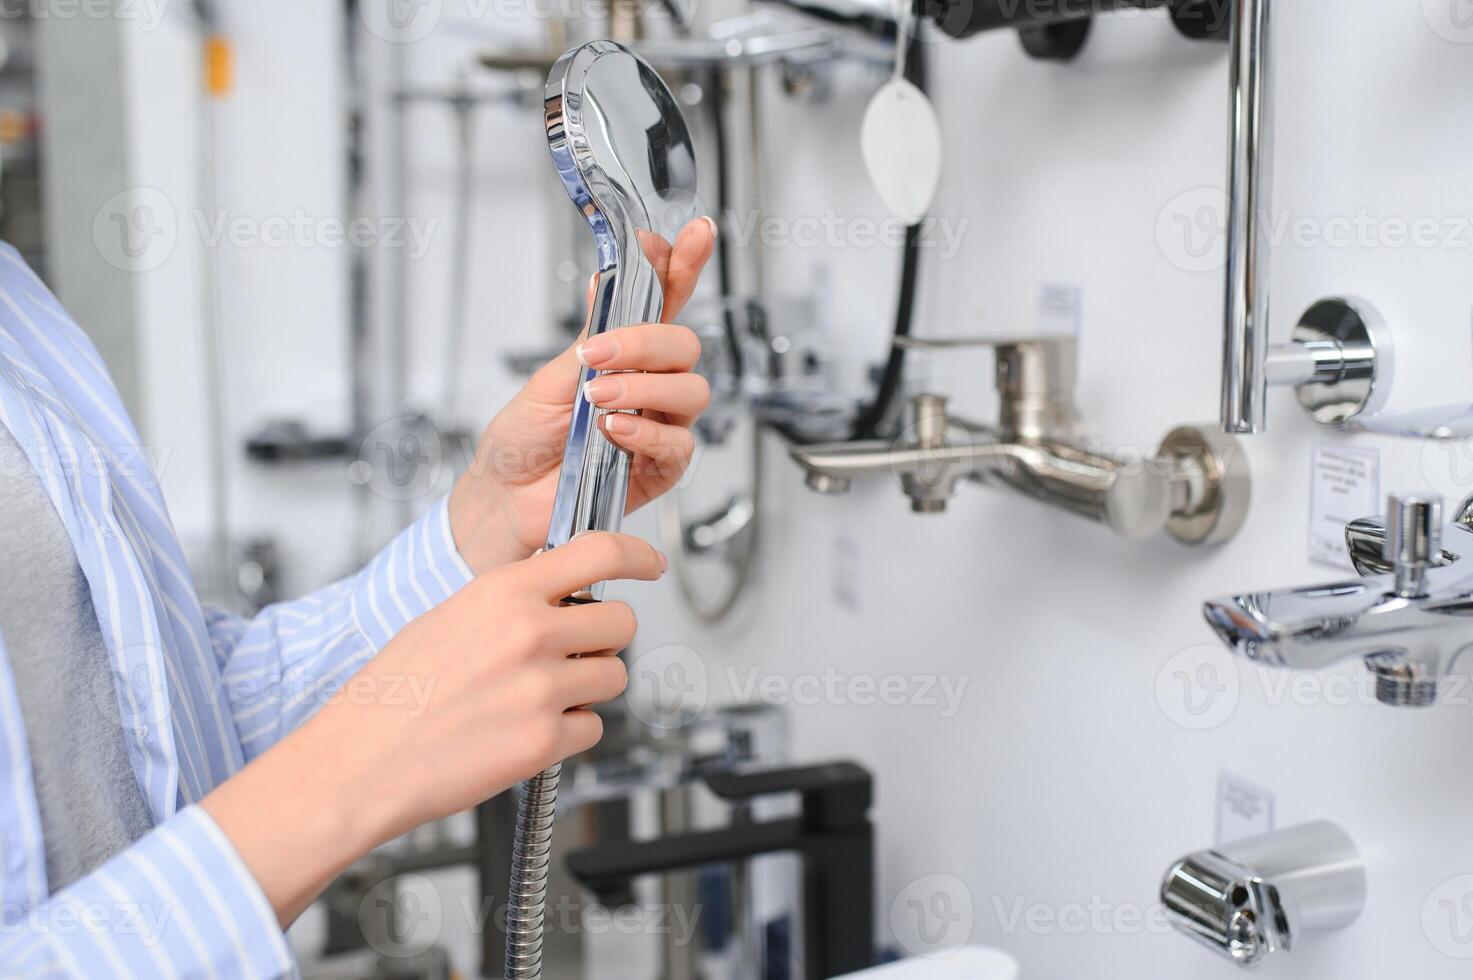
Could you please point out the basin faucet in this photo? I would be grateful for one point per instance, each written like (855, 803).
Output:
(1410, 616)
(1196, 486)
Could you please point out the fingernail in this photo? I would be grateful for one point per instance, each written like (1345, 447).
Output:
(715, 231)
(598, 350)
(605, 389)
(621, 424)
(664, 562)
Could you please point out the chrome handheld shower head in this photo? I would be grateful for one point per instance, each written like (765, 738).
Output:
(624, 154)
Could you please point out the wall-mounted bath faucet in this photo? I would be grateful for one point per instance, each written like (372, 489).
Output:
(1196, 486)
(1409, 618)
(1339, 361)
(1259, 896)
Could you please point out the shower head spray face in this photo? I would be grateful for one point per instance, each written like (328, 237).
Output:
(623, 152)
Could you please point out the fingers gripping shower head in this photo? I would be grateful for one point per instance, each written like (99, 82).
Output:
(624, 154)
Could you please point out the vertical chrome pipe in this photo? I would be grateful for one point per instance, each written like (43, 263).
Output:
(1250, 194)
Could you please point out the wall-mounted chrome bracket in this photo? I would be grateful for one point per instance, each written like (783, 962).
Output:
(1340, 358)
(1255, 897)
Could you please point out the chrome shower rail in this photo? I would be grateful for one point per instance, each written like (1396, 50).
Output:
(1339, 359)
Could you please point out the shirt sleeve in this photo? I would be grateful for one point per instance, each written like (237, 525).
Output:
(179, 902)
(291, 659)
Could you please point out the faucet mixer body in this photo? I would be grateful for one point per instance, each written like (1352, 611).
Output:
(1410, 618)
(1196, 486)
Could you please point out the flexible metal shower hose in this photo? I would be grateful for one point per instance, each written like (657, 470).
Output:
(527, 896)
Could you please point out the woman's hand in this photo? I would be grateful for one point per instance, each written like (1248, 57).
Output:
(488, 689)
(500, 509)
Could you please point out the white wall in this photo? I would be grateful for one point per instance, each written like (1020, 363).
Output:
(1064, 783)
(1063, 780)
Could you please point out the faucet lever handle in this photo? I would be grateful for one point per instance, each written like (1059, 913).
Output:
(1413, 539)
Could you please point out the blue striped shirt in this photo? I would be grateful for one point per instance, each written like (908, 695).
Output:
(201, 693)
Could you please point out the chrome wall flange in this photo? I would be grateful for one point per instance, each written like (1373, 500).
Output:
(1347, 350)
(1213, 485)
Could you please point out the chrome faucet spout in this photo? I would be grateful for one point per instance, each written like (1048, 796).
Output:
(1409, 619)
(929, 474)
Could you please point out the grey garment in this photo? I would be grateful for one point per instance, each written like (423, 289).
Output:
(91, 806)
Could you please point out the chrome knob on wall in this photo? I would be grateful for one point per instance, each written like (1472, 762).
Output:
(1255, 897)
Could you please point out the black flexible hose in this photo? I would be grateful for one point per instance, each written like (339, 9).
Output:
(871, 418)
(716, 99)
(879, 26)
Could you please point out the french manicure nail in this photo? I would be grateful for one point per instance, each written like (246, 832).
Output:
(620, 424)
(605, 389)
(598, 350)
(715, 229)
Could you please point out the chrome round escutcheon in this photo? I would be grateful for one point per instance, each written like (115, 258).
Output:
(1219, 484)
(1358, 382)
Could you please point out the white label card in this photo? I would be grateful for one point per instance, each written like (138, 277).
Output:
(1060, 310)
(1345, 483)
(1243, 809)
